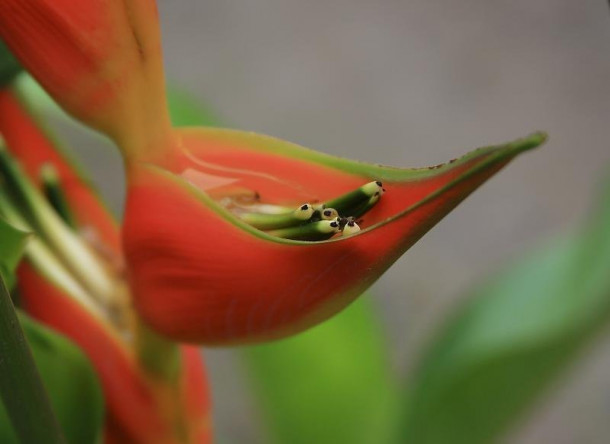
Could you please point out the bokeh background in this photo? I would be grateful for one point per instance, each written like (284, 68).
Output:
(415, 83)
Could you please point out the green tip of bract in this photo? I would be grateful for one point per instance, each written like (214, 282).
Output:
(532, 141)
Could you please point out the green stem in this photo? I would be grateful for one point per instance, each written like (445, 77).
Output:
(159, 357)
(45, 260)
(55, 194)
(21, 388)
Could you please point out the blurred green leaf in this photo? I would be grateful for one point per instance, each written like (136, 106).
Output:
(71, 384)
(40, 100)
(21, 388)
(9, 67)
(331, 384)
(184, 110)
(12, 244)
(508, 342)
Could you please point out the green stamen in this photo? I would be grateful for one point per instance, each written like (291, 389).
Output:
(45, 260)
(306, 222)
(351, 227)
(266, 221)
(366, 206)
(239, 207)
(329, 214)
(313, 231)
(347, 203)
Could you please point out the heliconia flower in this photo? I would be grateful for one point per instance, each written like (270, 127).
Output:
(206, 268)
(201, 274)
(140, 408)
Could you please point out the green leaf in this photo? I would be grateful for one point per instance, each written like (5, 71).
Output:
(9, 67)
(331, 384)
(42, 103)
(21, 389)
(186, 111)
(12, 244)
(70, 381)
(508, 342)
(66, 374)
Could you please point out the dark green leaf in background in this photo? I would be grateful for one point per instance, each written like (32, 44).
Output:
(184, 110)
(21, 389)
(67, 376)
(12, 244)
(71, 384)
(512, 339)
(331, 384)
(9, 67)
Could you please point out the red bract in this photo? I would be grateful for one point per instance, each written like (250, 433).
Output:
(139, 407)
(97, 57)
(199, 273)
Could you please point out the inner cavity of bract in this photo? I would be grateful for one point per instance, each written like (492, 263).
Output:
(293, 206)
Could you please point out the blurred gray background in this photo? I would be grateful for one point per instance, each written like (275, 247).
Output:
(414, 83)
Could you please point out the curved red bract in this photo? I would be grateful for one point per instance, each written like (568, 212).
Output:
(99, 59)
(198, 276)
(133, 405)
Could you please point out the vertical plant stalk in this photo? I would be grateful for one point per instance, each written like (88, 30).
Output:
(21, 388)
(158, 356)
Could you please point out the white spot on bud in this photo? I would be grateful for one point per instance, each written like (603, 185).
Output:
(350, 228)
(304, 212)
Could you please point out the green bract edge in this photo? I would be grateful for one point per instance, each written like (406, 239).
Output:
(275, 146)
(71, 383)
